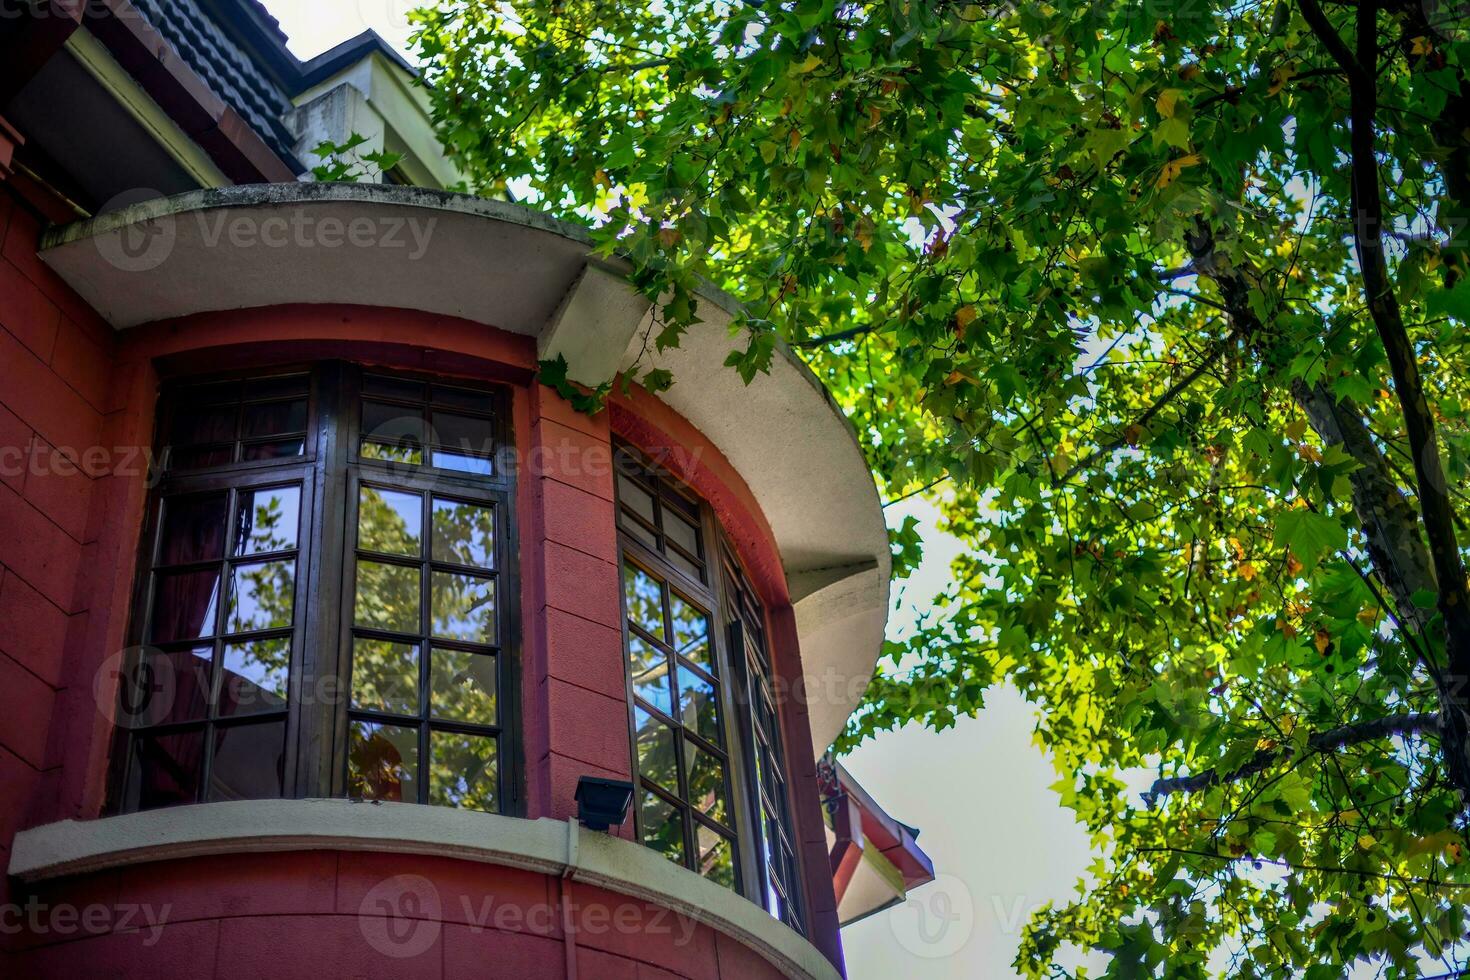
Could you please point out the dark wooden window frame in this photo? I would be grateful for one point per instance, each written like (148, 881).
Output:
(714, 591)
(328, 471)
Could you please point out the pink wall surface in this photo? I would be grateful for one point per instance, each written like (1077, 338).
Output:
(73, 391)
(323, 914)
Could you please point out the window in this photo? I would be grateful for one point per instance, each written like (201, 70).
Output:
(711, 784)
(324, 607)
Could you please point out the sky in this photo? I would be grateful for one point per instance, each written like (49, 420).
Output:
(1001, 844)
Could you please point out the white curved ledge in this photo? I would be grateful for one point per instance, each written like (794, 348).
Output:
(523, 271)
(547, 846)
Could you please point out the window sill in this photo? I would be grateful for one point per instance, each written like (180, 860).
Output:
(546, 846)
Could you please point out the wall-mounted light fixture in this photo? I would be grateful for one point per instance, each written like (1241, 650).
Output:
(602, 803)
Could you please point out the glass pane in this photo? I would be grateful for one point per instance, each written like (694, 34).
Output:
(261, 596)
(385, 676)
(698, 705)
(463, 433)
(681, 532)
(645, 600)
(274, 418)
(193, 425)
(475, 401)
(462, 771)
(463, 686)
(267, 520)
(662, 827)
(198, 459)
(276, 449)
(166, 768)
(253, 676)
(635, 498)
(387, 597)
(656, 750)
(184, 604)
(393, 387)
(639, 531)
(706, 781)
(464, 533)
(382, 762)
(463, 607)
(650, 671)
(393, 425)
(249, 761)
(461, 462)
(390, 521)
(162, 688)
(693, 569)
(284, 384)
(691, 631)
(210, 393)
(193, 528)
(716, 856)
(410, 455)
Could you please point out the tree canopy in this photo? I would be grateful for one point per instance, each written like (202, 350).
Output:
(1163, 305)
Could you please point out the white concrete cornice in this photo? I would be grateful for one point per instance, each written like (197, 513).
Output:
(523, 271)
(546, 846)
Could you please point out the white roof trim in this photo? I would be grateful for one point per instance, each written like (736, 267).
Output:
(513, 268)
(547, 846)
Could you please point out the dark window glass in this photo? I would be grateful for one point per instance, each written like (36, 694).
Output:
(708, 761)
(293, 536)
(426, 660)
(661, 515)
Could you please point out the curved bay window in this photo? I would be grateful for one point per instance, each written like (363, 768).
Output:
(323, 605)
(712, 791)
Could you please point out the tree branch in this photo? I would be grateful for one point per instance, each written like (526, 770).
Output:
(1329, 741)
(833, 338)
(1435, 508)
(1175, 390)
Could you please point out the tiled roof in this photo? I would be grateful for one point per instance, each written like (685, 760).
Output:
(225, 65)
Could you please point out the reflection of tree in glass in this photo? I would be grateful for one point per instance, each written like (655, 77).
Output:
(463, 607)
(387, 595)
(715, 859)
(464, 533)
(656, 759)
(663, 828)
(462, 771)
(262, 596)
(267, 521)
(385, 676)
(381, 762)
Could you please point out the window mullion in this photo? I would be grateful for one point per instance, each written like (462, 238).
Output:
(320, 727)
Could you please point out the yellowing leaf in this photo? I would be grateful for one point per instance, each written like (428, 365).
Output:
(1166, 102)
(1367, 841)
(1421, 46)
(1248, 571)
(811, 62)
(1174, 168)
(963, 317)
(1322, 640)
(1279, 78)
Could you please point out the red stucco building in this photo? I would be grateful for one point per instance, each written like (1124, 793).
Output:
(316, 607)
